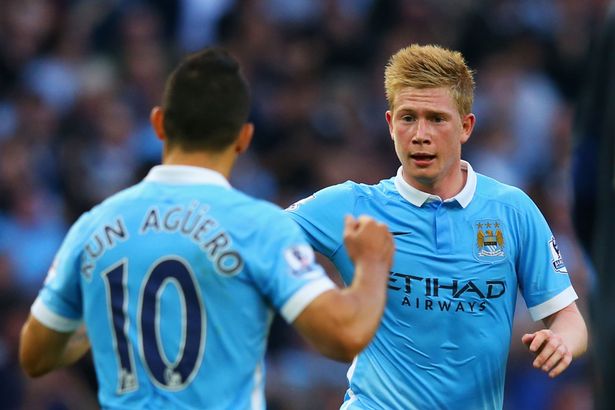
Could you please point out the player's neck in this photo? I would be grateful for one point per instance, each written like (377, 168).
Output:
(221, 162)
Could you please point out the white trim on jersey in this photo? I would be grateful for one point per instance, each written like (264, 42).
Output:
(350, 371)
(304, 296)
(185, 175)
(418, 198)
(555, 304)
(52, 320)
(257, 401)
(346, 405)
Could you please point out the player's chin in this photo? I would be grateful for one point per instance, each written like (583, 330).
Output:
(421, 172)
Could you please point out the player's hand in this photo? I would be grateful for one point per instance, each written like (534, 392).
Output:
(368, 241)
(552, 354)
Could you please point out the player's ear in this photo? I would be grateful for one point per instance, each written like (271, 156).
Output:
(389, 117)
(467, 122)
(245, 138)
(156, 118)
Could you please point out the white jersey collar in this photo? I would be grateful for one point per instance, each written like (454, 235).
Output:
(418, 198)
(185, 175)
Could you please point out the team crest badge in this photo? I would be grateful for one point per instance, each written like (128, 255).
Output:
(490, 242)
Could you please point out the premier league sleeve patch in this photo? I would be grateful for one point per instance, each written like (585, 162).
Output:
(556, 257)
(490, 242)
(300, 259)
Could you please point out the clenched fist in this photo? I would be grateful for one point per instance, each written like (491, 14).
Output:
(368, 241)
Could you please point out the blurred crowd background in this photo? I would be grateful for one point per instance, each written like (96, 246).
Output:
(78, 80)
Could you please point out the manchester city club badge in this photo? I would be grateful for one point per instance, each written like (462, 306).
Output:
(490, 244)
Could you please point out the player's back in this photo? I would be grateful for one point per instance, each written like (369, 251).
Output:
(174, 296)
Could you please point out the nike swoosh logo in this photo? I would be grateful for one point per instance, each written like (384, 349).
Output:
(400, 233)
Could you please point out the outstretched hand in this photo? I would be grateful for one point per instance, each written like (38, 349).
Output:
(552, 354)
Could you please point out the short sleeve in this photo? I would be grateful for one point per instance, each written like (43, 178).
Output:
(321, 216)
(543, 277)
(59, 304)
(286, 271)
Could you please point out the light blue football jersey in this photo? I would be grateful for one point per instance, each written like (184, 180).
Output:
(176, 279)
(445, 334)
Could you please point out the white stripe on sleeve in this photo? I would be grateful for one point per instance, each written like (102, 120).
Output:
(304, 296)
(52, 320)
(555, 304)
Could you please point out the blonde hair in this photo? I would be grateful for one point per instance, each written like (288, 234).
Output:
(430, 66)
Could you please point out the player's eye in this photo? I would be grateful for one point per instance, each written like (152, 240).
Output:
(438, 118)
(408, 118)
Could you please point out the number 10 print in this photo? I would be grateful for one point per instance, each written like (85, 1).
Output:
(168, 375)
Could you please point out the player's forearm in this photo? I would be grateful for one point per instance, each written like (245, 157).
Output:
(355, 318)
(569, 324)
(42, 349)
(78, 345)
(341, 322)
(369, 290)
(367, 298)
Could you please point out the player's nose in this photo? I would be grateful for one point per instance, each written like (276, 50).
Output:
(421, 133)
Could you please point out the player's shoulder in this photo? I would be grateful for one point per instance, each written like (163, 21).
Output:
(265, 223)
(382, 189)
(261, 213)
(118, 201)
(115, 204)
(353, 188)
(263, 208)
(344, 188)
(342, 195)
(359, 188)
(492, 190)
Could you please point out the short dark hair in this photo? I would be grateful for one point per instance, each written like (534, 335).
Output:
(206, 101)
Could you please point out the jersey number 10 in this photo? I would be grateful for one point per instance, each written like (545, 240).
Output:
(165, 374)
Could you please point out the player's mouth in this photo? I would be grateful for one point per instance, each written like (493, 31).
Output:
(422, 159)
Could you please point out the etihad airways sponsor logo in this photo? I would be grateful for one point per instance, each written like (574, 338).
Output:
(435, 293)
